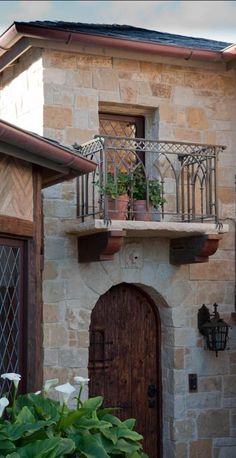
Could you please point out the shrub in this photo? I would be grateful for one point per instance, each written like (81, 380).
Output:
(40, 427)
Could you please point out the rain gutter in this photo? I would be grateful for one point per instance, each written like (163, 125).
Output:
(19, 30)
(70, 163)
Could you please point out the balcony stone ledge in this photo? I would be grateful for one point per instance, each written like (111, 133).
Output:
(170, 230)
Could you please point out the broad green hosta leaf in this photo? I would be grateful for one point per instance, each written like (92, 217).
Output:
(73, 417)
(110, 434)
(137, 455)
(127, 434)
(12, 455)
(130, 423)
(25, 416)
(93, 403)
(65, 447)
(46, 408)
(93, 423)
(112, 419)
(17, 431)
(6, 445)
(41, 449)
(123, 445)
(91, 447)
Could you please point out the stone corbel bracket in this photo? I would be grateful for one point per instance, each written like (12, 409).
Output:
(193, 250)
(101, 246)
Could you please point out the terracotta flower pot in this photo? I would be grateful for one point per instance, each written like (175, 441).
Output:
(117, 208)
(141, 212)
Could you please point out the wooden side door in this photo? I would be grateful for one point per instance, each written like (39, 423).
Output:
(124, 360)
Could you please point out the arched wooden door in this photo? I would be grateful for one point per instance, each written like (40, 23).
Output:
(124, 361)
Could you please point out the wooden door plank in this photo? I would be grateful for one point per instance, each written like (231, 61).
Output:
(131, 355)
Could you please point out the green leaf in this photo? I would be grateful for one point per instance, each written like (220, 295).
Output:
(72, 417)
(112, 419)
(16, 431)
(93, 423)
(13, 455)
(46, 408)
(41, 449)
(25, 416)
(6, 445)
(110, 434)
(130, 423)
(127, 434)
(91, 447)
(125, 446)
(65, 447)
(93, 403)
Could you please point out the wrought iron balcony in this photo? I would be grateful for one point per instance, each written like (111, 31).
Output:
(177, 181)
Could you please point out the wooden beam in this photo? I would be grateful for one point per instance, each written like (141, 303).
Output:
(19, 48)
(35, 303)
(193, 250)
(10, 225)
(101, 246)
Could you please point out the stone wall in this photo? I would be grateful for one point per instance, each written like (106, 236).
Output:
(180, 102)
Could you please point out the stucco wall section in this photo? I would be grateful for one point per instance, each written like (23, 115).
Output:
(16, 188)
(21, 92)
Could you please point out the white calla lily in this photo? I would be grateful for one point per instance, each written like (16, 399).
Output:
(48, 384)
(65, 392)
(81, 380)
(15, 378)
(37, 393)
(3, 404)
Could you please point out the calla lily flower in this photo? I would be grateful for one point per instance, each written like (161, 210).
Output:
(3, 404)
(37, 393)
(49, 384)
(65, 392)
(81, 380)
(15, 378)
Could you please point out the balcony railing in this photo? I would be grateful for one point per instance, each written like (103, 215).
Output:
(177, 181)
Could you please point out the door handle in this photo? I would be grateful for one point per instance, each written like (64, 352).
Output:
(152, 391)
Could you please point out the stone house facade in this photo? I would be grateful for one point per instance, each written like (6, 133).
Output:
(58, 90)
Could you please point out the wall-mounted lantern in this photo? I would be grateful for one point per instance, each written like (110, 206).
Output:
(213, 328)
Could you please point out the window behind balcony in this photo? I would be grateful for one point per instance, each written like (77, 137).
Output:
(115, 125)
(121, 125)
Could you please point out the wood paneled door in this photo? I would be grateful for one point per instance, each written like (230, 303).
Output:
(124, 360)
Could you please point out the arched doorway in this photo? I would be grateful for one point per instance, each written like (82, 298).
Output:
(124, 359)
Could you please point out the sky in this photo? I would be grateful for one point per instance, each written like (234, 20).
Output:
(208, 19)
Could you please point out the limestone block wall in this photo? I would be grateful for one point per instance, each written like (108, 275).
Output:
(180, 103)
(183, 102)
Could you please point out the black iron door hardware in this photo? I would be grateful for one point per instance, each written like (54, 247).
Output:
(152, 391)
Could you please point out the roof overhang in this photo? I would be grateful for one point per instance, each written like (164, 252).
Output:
(17, 39)
(57, 163)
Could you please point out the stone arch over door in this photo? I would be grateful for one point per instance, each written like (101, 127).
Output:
(125, 359)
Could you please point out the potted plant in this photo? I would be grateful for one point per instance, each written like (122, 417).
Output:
(156, 197)
(115, 192)
(139, 193)
(146, 192)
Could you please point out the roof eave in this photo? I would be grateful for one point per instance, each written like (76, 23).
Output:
(62, 163)
(19, 30)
